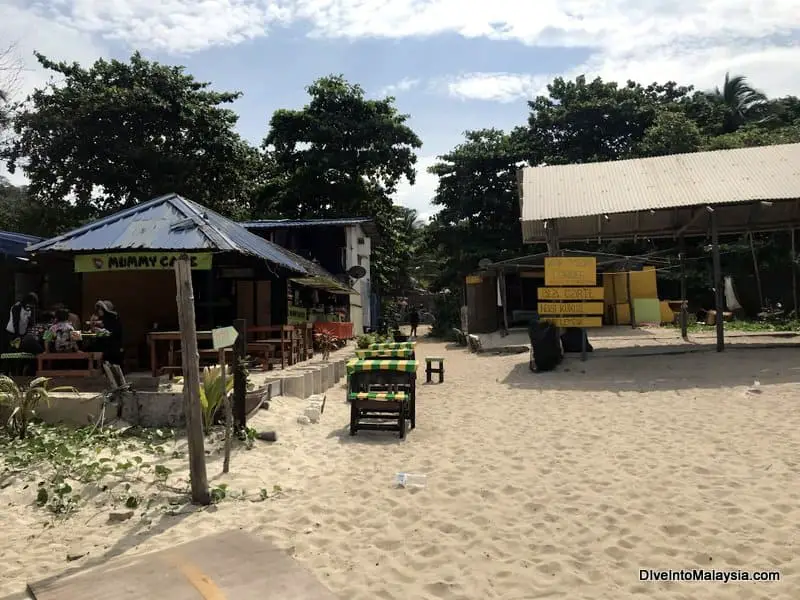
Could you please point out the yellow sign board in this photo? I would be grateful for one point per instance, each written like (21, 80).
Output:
(474, 279)
(570, 308)
(575, 321)
(576, 293)
(139, 261)
(574, 270)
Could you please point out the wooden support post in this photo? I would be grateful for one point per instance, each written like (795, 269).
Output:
(239, 378)
(757, 272)
(630, 295)
(504, 300)
(191, 382)
(794, 276)
(718, 291)
(684, 309)
(226, 402)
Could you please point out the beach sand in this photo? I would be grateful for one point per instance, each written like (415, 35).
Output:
(557, 485)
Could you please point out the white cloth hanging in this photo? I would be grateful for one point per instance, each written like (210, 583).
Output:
(730, 296)
(499, 295)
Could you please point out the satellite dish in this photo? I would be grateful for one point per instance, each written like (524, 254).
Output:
(484, 263)
(356, 271)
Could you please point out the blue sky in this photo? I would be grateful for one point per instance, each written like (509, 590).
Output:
(452, 65)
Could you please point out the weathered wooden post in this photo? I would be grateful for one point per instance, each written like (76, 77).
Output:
(223, 338)
(719, 295)
(239, 376)
(190, 361)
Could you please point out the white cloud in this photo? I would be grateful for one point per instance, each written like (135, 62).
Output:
(497, 87)
(420, 194)
(404, 85)
(24, 30)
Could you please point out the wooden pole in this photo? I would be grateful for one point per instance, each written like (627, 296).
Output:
(239, 377)
(718, 291)
(794, 276)
(504, 299)
(191, 382)
(684, 308)
(630, 295)
(226, 463)
(757, 272)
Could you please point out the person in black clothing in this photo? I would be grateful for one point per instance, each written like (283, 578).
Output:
(413, 318)
(21, 322)
(107, 323)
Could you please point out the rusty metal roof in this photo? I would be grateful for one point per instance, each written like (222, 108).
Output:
(169, 222)
(660, 191)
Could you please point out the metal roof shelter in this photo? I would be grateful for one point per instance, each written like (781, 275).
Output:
(605, 261)
(664, 196)
(14, 244)
(169, 222)
(367, 224)
(676, 196)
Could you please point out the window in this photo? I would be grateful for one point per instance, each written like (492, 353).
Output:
(361, 241)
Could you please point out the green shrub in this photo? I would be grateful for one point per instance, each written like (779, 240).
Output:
(446, 314)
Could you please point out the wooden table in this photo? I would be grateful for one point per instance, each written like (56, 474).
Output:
(386, 353)
(390, 375)
(170, 337)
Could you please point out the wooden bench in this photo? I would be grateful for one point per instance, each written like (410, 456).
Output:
(45, 362)
(17, 363)
(374, 406)
(430, 369)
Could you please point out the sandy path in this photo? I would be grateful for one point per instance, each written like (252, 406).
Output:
(560, 485)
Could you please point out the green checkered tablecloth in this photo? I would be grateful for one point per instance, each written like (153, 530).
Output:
(405, 366)
(17, 356)
(400, 396)
(385, 353)
(393, 346)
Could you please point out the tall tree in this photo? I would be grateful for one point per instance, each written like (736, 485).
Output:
(742, 103)
(477, 193)
(119, 133)
(340, 155)
(671, 132)
(595, 121)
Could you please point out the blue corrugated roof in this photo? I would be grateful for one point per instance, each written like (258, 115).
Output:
(14, 244)
(169, 222)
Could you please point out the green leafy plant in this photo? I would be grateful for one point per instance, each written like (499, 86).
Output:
(325, 343)
(23, 401)
(212, 394)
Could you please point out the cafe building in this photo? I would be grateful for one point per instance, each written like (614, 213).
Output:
(128, 259)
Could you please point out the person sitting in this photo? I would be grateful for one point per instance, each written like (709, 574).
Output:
(62, 333)
(73, 319)
(107, 325)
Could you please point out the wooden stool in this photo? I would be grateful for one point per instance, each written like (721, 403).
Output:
(430, 369)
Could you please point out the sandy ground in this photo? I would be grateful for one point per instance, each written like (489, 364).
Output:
(558, 485)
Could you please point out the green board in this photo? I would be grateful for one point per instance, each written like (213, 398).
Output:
(647, 310)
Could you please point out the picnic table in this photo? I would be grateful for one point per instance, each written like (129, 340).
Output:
(405, 353)
(392, 346)
(393, 380)
(155, 338)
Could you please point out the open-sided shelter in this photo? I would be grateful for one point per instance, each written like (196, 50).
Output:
(698, 194)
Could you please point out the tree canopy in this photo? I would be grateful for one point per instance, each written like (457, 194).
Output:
(119, 133)
(342, 154)
(584, 121)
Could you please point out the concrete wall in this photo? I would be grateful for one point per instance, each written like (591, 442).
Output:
(359, 254)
